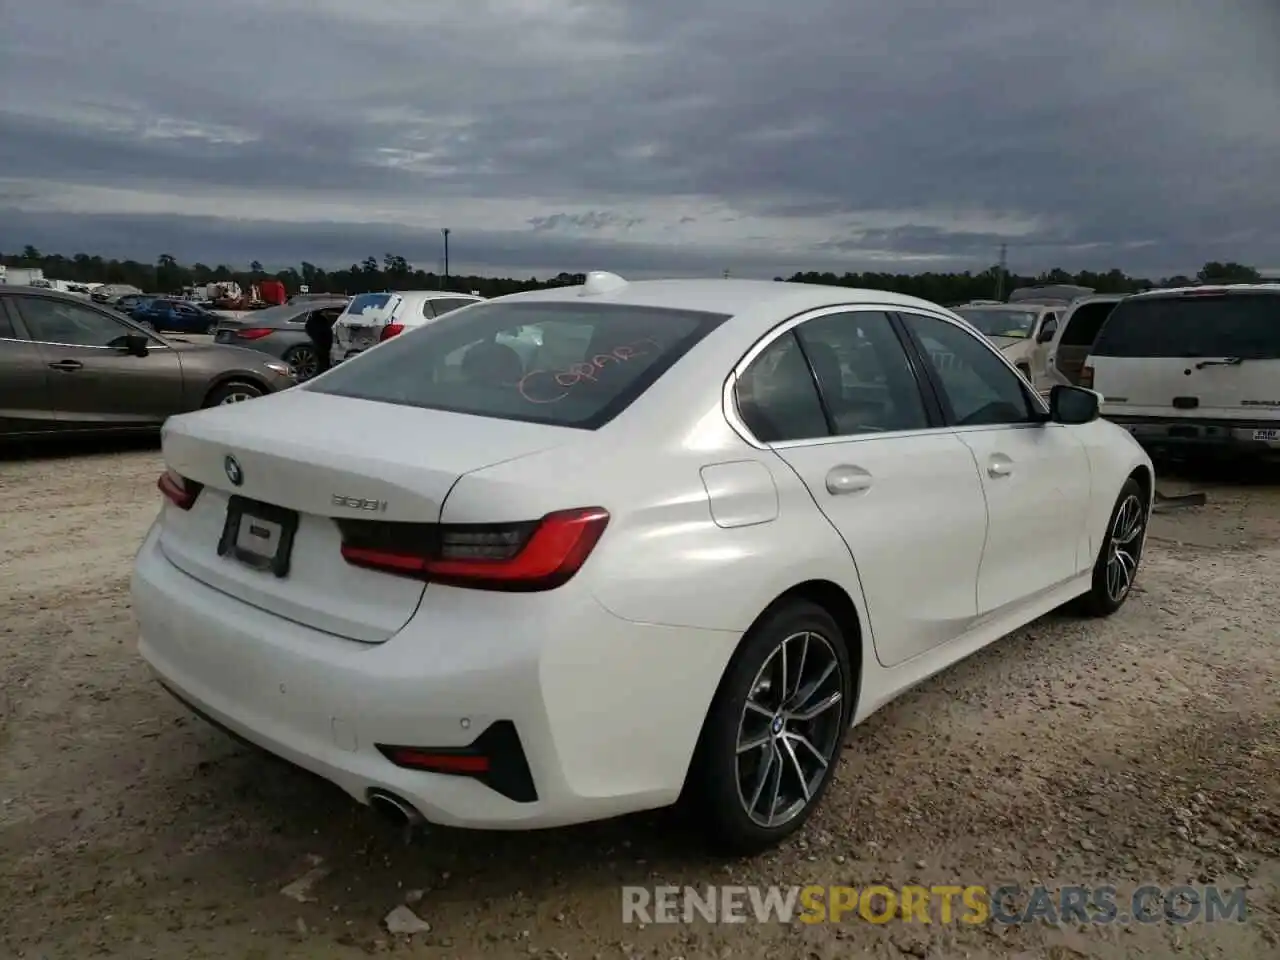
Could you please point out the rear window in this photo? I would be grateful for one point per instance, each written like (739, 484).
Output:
(1245, 325)
(565, 364)
(442, 305)
(371, 308)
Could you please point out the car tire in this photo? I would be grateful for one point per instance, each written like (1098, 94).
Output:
(236, 391)
(1120, 556)
(760, 767)
(302, 357)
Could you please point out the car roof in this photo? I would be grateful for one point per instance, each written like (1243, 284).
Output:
(1207, 288)
(419, 294)
(1024, 307)
(47, 292)
(756, 305)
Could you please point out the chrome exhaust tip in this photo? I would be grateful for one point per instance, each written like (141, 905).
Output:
(399, 811)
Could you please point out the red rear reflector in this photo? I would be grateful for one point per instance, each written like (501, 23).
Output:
(463, 763)
(253, 333)
(180, 491)
(390, 330)
(494, 557)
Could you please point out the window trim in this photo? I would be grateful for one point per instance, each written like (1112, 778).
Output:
(1040, 409)
(729, 397)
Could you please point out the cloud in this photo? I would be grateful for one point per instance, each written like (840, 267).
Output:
(670, 137)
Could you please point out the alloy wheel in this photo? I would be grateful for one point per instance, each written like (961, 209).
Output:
(790, 729)
(1125, 543)
(304, 362)
(238, 396)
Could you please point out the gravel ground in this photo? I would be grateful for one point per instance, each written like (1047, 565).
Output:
(1141, 749)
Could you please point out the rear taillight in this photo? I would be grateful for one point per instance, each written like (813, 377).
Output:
(538, 555)
(390, 330)
(180, 491)
(253, 333)
(1086, 376)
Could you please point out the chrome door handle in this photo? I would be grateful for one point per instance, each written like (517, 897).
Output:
(847, 479)
(999, 466)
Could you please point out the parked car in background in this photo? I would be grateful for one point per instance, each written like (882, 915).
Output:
(163, 313)
(282, 332)
(68, 366)
(1193, 371)
(676, 551)
(131, 302)
(299, 298)
(111, 292)
(1021, 331)
(371, 318)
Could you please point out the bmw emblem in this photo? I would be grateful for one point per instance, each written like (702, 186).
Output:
(776, 726)
(234, 473)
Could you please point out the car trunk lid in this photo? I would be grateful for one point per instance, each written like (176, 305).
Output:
(290, 466)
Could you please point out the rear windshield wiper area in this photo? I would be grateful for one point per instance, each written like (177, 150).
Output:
(1224, 362)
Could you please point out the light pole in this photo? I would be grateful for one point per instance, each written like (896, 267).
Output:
(444, 232)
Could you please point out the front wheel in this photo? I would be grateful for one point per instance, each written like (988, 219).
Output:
(235, 392)
(774, 733)
(1116, 568)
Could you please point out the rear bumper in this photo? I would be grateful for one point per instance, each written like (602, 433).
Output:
(1203, 437)
(607, 711)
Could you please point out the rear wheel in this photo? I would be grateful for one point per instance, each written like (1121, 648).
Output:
(304, 361)
(774, 732)
(235, 392)
(1116, 568)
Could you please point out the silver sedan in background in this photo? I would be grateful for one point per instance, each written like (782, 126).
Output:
(281, 332)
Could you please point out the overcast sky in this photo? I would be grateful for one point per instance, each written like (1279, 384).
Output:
(676, 137)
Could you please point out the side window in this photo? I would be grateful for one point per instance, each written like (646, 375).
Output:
(52, 321)
(979, 388)
(1048, 327)
(776, 395)
(330, 314)
(6, 325)
(444, 305)
(863, 372)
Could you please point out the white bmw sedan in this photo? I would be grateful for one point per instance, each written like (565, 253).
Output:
(579, 552)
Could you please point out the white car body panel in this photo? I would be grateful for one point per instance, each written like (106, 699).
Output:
(707, 528)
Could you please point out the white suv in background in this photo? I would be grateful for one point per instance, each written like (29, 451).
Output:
(371, 318)
(1193, 370)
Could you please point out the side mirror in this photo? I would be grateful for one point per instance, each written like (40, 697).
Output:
(135, 344)
(1047, 331)
(1072, 405)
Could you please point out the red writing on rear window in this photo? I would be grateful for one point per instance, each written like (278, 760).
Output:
(550, 386)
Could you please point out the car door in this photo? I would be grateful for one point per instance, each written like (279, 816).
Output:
(1035, 474)
(94, 382)
(837, 397)
(26, 405)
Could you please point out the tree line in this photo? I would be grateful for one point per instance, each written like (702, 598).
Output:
(394, 272)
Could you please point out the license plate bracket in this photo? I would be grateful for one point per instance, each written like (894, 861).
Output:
(259, 535)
